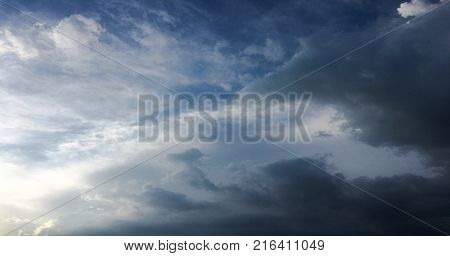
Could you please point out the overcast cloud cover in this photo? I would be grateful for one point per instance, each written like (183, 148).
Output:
(379, 118)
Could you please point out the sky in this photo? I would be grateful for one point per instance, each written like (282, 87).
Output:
(71, 72)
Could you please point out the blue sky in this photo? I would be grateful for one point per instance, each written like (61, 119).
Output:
(69, 116)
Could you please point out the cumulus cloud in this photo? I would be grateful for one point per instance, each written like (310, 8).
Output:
(44, 228)
(415, 8)
(83, 29)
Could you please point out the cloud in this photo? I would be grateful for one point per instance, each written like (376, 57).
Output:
(21, 47)
(70, 119)
(403, 103)
(188, 156)
(271, 50)
(169, 201)
(323, 134)
(44, 228)
(66, 108)
(292, 197)
(83, 29)
(415, 8)
(192, 174)
(16, 220)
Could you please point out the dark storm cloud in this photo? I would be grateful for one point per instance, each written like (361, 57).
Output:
(321, 199)
(393, 93)
(171, 201)
(295, 198)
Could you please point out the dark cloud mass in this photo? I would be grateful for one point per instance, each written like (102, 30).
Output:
(295, 198)
(393, 92)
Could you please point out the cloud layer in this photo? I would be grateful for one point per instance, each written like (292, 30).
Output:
(292, 197)
(378, 118)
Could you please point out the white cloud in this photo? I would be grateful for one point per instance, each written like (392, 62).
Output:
(83, 29)
(16, 221)
(44, 227)
(78, 110)
(415, 8)
(10, 43)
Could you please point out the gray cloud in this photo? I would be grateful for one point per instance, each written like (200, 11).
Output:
(293, 197)
(392, 93)
(192, 173)
(189, 156)
(170, 201)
